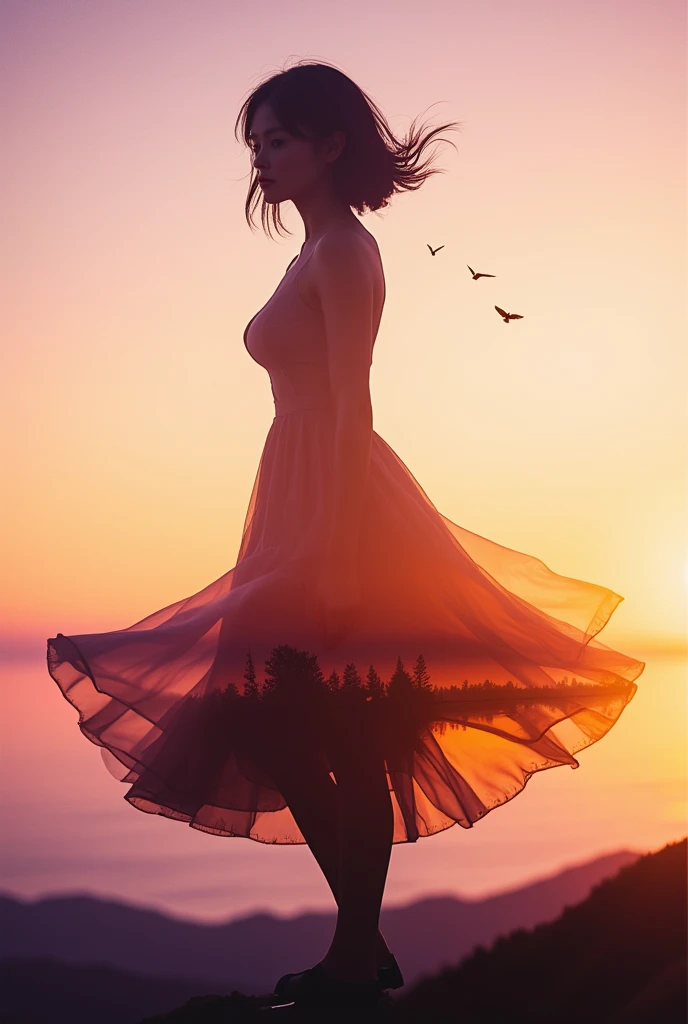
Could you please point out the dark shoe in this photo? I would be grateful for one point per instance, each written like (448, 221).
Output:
(389, 974)
(315, 987)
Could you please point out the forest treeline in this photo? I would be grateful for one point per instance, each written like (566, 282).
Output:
(293, 675)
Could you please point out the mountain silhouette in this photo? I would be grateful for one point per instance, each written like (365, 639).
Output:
(45, 990)
(619, 957)
(616, 957)
(251, 952)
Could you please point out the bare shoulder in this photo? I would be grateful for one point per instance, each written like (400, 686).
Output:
(344, 252)
(344, 245)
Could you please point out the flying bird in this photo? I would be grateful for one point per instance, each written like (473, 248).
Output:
(476, 276)
(508, 316)
(433, 251)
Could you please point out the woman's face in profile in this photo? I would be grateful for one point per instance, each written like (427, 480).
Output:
(291, 165)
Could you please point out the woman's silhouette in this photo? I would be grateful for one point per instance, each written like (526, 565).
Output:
(368, 672)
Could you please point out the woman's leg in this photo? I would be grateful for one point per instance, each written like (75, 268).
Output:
(365, 829)
(312, 797)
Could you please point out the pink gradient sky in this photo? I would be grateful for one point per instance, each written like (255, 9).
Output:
(135, 416)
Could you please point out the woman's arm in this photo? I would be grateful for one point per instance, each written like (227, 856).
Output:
(345, 284)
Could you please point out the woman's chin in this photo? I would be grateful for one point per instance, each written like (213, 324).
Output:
(270, 193)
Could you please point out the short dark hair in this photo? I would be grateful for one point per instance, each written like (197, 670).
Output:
(313, 99)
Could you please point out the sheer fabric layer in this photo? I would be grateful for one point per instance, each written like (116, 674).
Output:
(516, 681)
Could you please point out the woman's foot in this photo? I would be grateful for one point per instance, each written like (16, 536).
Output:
(319, 987)
(389, 976)
(389, 973)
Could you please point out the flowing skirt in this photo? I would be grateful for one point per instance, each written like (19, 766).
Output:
(475, 665)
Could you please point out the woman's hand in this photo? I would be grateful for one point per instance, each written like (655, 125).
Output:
(339, 597)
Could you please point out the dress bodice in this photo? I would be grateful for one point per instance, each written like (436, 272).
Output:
(287, 337)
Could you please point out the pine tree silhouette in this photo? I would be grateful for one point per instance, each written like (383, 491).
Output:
(351, 680)
(333, 683)
(401, 683)
(290, 672)
(421, 676)
(374, 684)
(251, 687)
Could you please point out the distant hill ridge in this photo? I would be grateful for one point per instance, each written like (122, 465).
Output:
(617, 957)
(253, 951)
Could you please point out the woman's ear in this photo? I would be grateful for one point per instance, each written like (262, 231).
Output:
(334, 145)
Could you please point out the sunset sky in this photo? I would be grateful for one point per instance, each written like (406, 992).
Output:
(133, 416)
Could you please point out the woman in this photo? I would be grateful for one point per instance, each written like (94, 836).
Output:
(344, 563)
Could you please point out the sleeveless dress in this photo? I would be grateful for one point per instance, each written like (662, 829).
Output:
(477, 664)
